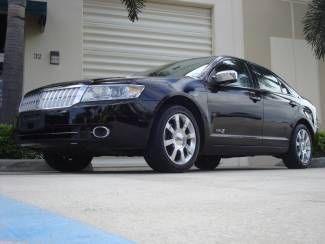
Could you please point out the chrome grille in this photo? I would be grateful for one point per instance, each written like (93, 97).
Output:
(30, 102)
(52, 98)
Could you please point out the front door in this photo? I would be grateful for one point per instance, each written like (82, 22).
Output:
(236, 109)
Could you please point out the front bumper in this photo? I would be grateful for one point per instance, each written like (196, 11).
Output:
(70, 129)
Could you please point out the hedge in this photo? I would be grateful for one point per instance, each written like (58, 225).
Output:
(319, 144)
(8, 148)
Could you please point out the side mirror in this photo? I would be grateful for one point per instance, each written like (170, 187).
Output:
(224, 77)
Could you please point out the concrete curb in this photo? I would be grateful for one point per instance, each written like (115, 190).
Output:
(25, 165)
(30, 165)
(316, 163)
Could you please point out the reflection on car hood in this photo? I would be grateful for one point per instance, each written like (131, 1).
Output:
(111, 80)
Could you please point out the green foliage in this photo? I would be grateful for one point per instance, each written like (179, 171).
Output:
(319, 144)
(9, 150)
(134, 8)
(314, 27)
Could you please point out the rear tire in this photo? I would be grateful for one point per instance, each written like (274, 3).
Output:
(207, 162)
(300, 152)
(175, 141)
(67, 163)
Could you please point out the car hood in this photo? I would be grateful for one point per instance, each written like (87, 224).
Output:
(116, 80)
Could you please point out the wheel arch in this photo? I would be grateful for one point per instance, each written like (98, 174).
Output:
(189, 104)
(306, 123)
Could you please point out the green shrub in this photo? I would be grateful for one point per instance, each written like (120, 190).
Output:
(8, 148)
(319, 144)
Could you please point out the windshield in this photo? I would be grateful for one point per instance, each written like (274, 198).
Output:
(190, 67)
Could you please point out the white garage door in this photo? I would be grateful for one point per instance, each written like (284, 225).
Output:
(114, 46)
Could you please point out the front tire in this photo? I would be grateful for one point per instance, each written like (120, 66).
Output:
(67, 163)
(175, 141)
(207, 162)
(300, 151)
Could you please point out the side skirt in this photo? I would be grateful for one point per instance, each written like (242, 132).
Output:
(243, 151)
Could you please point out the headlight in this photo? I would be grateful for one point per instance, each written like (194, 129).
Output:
(112, 92)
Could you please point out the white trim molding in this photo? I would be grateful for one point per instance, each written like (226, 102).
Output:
(228, 28)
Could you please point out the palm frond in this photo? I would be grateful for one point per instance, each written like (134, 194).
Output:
(314, 27)
(134, 8)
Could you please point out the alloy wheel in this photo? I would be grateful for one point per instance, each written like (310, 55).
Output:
(179, 139)
(303, 145)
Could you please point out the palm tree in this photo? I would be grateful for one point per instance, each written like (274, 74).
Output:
(314, 27)
(14, 55)
(134, 8)
(13, 66)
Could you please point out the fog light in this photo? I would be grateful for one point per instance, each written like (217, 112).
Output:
(101, 132)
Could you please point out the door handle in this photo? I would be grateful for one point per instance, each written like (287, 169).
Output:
(255, 97)
(293, 104)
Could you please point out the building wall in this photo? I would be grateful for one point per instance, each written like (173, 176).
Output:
(62, 33)
(262, 20)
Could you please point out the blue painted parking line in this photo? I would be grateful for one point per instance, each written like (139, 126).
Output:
(28, 224)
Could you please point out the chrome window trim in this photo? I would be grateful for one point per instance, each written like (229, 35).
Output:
(249, 137)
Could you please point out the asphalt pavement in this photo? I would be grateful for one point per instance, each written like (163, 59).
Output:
(128, 202)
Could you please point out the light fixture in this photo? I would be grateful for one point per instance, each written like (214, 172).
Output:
(55, 57)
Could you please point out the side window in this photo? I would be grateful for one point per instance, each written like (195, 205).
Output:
(284, 89)
(267, 81)
(240, 67)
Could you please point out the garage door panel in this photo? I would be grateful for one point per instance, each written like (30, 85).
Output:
(149, 14)
(113, 45)
(171, 52)
(167, 8)
(167, 32)
(144, 35)
(117, 60)
(94, 42)
(127, 56)
(182, 26)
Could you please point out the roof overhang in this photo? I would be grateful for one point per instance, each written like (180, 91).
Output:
(33, 8)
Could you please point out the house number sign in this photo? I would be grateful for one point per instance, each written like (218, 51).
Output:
(37, 56)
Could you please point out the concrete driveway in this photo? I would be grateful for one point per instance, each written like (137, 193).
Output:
(228, 205)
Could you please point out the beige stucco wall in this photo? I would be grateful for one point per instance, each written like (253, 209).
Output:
(264, 19)
(63, 32)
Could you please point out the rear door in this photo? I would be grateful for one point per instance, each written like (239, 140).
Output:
(280, 108)
(235, 109)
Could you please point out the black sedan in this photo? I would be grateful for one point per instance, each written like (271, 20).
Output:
(192, 112)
